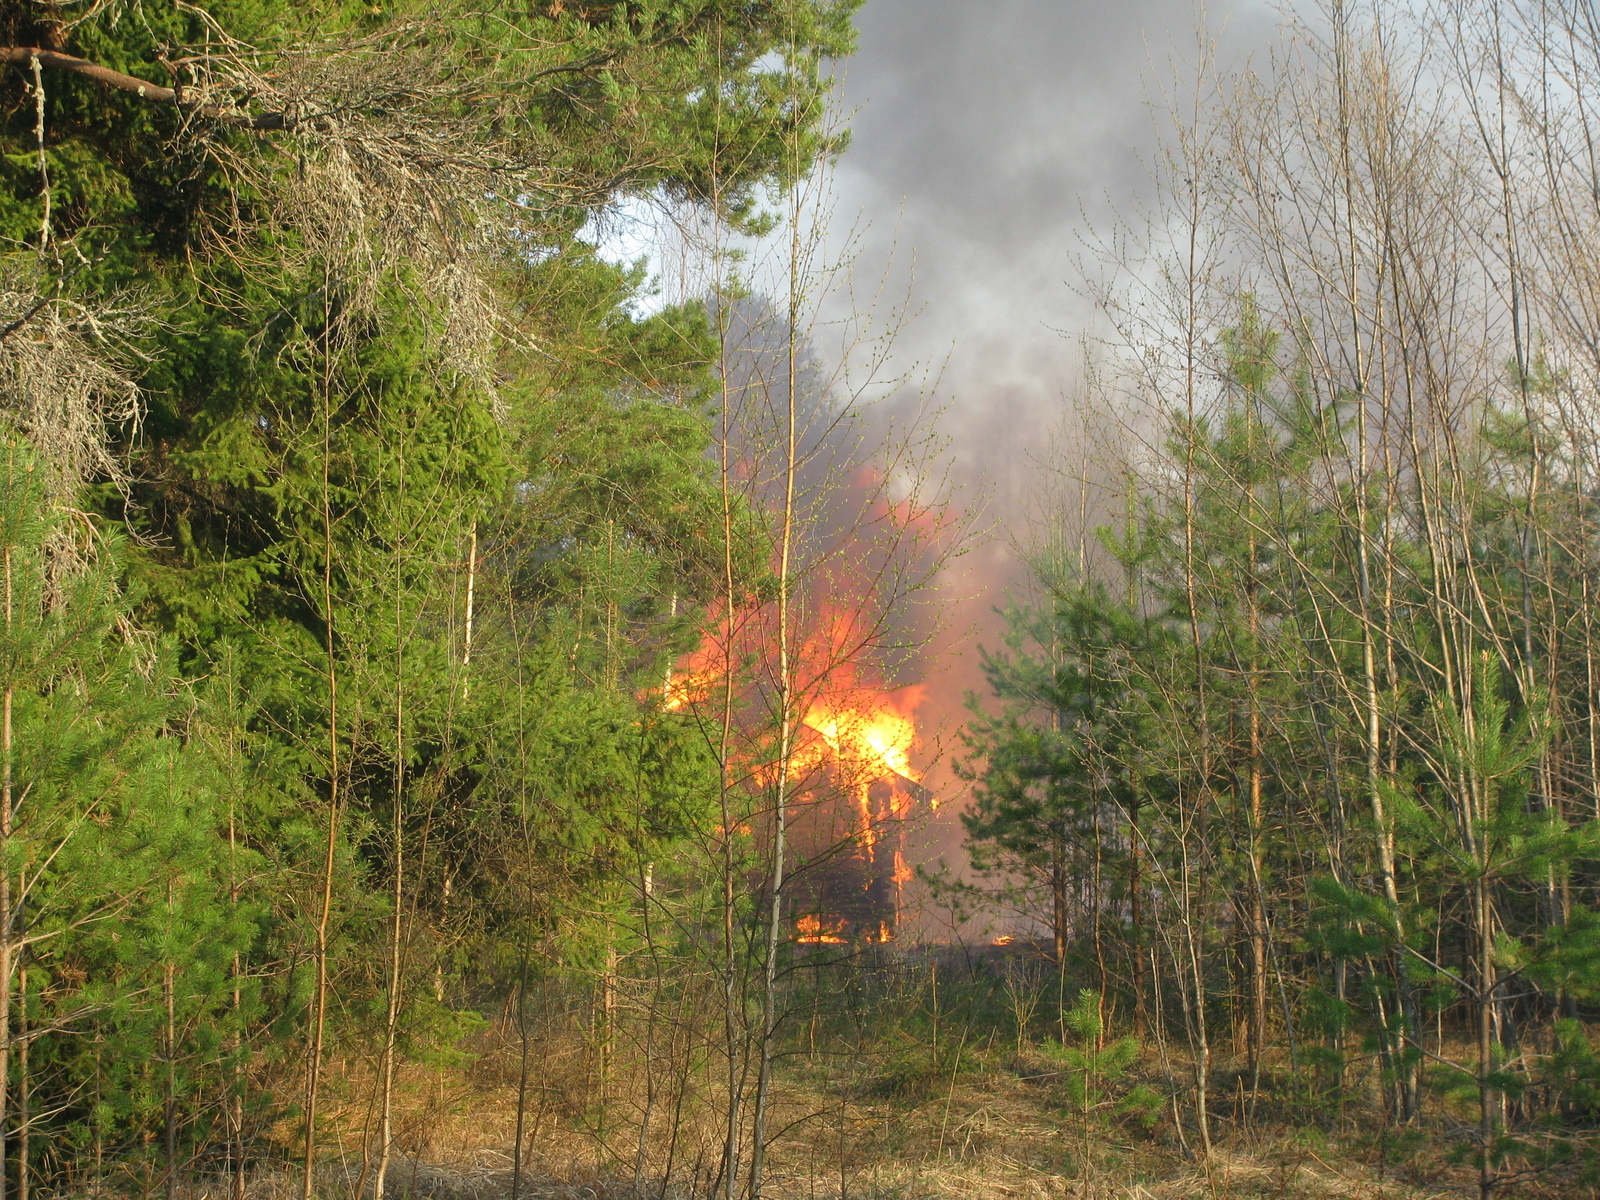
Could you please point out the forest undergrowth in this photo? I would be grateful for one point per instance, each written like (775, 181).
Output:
(931, 1096)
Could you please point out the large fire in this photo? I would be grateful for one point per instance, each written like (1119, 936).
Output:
(687, 688)
(852, 782)
(869, 735)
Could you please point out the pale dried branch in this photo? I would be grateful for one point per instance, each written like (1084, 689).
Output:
(65, 376)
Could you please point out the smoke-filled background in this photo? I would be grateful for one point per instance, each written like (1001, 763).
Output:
(997, 147)
(994, 146)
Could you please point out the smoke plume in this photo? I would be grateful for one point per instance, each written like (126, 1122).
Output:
(992, 143)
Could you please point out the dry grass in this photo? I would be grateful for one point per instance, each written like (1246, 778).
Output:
(859, 1128)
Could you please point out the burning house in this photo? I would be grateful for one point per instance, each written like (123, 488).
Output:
(854, 791)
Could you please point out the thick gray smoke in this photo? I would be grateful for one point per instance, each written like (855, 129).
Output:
(992, 140)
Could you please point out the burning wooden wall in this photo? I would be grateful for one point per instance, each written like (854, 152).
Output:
(855, 791)
(852, 786)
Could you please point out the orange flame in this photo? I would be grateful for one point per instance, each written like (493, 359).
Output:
(864, 733)
(869, 734)
(689, 688)
(812, 930)
(903, 874)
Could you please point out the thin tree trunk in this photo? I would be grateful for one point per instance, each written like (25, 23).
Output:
(1136, 916)
(1256, 1038)
(325, 913)
(1059, 917)
(1488, 1095)
(788, 717)
(169, 1107)
(1258, 915)
(1096, 888)
(472, 579)
(236, 1164)
(1193, 933)
(731, 1008)
(651, 1086)
(6, 775)
(24, 1085)
(608, 1023)
(522, 1074)
(397, 834)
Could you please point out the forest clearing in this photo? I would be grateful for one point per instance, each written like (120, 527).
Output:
(515, 680)
(899, 1112)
